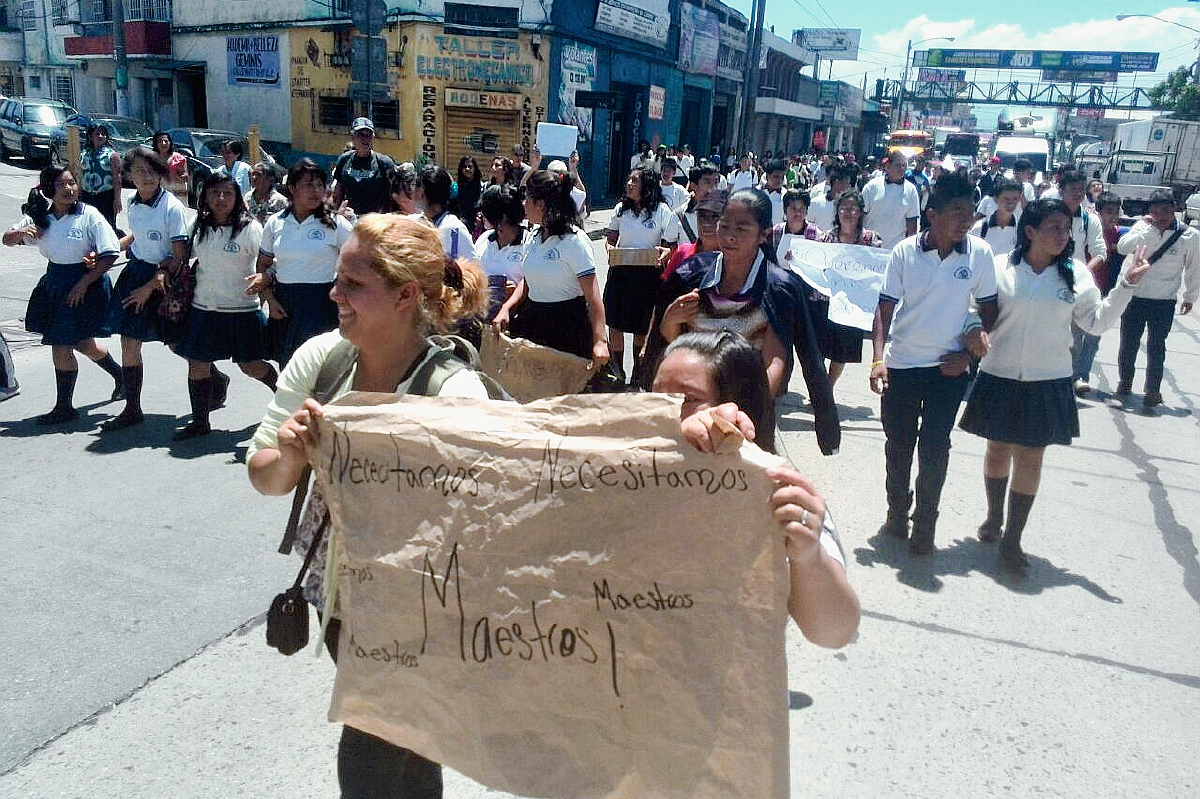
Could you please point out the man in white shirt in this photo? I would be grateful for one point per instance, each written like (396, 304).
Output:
(1153, 303)
(822, 206)
(999, 229)
(923, 372)
(702, 180)
(674, 195)
(686, 160)
(893, 204)
(773, 173)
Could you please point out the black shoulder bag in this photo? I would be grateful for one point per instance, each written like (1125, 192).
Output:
(287, 618)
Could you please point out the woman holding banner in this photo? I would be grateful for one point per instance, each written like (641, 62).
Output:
(392, 290)
(839, 343)
(721, 374)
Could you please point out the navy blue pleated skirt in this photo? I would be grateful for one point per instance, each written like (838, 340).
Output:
(143, 325)
(1033, 413)
(59, 324)
(240, 336)
(563, 326)
(629, 295)
(310, 313)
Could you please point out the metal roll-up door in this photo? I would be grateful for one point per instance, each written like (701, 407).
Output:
(479, 133)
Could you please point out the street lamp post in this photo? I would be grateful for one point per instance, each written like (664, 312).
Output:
(904, 75)
(1195, 67)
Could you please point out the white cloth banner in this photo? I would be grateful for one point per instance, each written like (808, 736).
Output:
(850, 275)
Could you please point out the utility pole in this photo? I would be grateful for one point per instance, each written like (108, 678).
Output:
(751, 79)
(122, 59)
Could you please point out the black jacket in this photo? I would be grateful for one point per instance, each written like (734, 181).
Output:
(783, 296)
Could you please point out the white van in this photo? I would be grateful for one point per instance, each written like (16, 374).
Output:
(1009, 148)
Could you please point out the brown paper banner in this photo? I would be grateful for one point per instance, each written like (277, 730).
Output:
(561, 599)
(530, 371)
(632, 256)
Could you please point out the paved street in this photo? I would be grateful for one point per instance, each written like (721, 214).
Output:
(138, 570)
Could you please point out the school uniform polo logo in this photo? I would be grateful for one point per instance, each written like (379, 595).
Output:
(75, 234)
(963, 273)
(154, 235)
(232, 246)
(649, 224)
(1066, 295)
(316, 234)
(552, 254)
(515, 257)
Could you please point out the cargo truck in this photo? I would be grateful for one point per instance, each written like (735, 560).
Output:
(1150, 154)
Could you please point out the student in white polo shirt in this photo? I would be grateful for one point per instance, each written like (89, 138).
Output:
(297, 262)
(1087, 234)
(1022, 400)
(923, 372)
(157, 245)
(893, 203)
(999, 229)
(1174, 254)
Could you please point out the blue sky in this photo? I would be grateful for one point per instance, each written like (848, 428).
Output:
(1005, 25)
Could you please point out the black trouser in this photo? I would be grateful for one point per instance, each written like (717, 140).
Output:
(1157, 315)
(918, 409)
(372, 768)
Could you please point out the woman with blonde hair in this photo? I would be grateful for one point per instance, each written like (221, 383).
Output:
(394, 286)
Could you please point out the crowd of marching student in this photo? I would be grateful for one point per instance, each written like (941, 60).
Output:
(992, 293)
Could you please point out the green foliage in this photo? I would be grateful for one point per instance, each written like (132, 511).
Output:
(1178, 95)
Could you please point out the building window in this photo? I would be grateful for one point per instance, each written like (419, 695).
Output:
(148, 10)
(28, 15)
(64, 89)
(468, 19)
(35, 83)
(97, 10)
(335, 112)
(58, 12)
(386, 115)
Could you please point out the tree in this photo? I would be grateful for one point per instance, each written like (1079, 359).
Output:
(1177, 95)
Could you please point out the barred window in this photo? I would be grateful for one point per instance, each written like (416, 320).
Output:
(386, 114)
(335, 112)
(58, 11)
(64, 89)
(28, 15)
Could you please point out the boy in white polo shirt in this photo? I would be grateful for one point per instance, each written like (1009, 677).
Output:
(923, 372)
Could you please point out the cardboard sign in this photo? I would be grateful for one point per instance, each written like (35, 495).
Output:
(559, 599)
(556, 141)
(851, 275)
(530, 371)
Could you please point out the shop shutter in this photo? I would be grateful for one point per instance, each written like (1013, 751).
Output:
(480, 133)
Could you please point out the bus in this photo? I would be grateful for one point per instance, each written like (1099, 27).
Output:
(909, 143)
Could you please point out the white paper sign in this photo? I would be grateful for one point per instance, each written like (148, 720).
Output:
(556, 141)
(851, 275)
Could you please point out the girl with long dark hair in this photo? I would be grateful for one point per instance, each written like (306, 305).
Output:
(69, 305)
(177, 178)
(500, 251)
(468, 184)
(1022, 401)
(224, 321)
(641, 221)
(842, 344)
(157, 245)
(557, 302)
(296, 263)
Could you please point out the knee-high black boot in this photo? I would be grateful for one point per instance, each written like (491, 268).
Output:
(114, 371)
(200, 393)
(1019, 506)
(132, 376)
(220, 387)
(995, 487)
(64, 408)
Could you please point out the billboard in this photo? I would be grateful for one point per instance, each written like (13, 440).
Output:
(926, 75)
(649, 21)
(834, 44)
(252, 61)
(699, 40)
(1037, 59)
(1077, 76)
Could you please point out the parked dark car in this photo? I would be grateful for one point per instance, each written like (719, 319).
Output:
(123, 133)
(202, 146)
(28, 125)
